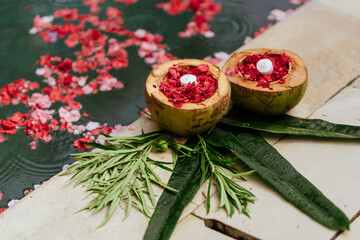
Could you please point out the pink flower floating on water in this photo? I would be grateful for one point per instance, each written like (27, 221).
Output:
(279, 15)
(39, 100)
(67, 78)
(248, 39)
(218, 57)
(298, 2)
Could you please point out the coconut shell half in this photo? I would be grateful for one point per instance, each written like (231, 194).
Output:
(277, 100)
(191, 118)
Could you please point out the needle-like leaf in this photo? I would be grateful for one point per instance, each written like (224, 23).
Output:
(121, 173)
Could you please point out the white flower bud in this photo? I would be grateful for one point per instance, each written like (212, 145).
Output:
(265, 66)
(187, 79)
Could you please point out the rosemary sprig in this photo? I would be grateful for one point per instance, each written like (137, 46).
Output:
(121, 172)
(213, 164)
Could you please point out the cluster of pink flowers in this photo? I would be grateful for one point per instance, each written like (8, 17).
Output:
(279, 15)
(205, 10)
(15, 92)
(67, 79)
(97, 52)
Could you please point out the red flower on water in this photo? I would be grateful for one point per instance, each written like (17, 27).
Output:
(15, 92)
(106, 130)
(262, 30)
(2, 209)
(7, 127)
(37, 130)
(67, 14)
(126, 2)
(95, 34)
(205, 10)
(65, 66)
(113, 13)
(95, 51)
(45, 60)
(174, 7)
(72, 40)
(79, 144)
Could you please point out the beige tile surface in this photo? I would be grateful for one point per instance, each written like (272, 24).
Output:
(353, 234)
(344, 108)
(351, 8)
(48, 213)
(272, 217)
(194, 228)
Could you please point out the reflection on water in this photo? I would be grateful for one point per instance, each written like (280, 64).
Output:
(21, 167)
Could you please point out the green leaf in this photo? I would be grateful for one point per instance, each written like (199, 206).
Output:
(128, 209)
(104, 147)
(285, 124)
(111, 211)
(120, 171)
(185, 179)
(208, 196)
(255, 152)
(240, 175)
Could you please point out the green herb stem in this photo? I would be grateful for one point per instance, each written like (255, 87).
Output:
(121, 172)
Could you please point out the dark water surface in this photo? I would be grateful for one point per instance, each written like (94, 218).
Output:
(21, 167)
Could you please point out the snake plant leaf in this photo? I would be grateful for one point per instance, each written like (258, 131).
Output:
(186, 179)
(257, 154)
(285, 124)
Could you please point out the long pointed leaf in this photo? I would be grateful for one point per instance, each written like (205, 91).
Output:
(255, 152)
(286, 124)
(186, 179)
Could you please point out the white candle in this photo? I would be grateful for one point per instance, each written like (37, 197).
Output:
(265, 66)
(187, 79)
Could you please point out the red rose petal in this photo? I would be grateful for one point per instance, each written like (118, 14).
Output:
(249, 71)
(193, 93)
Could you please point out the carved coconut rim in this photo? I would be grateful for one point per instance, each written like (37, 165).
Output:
(296, 76)
(157, 75)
